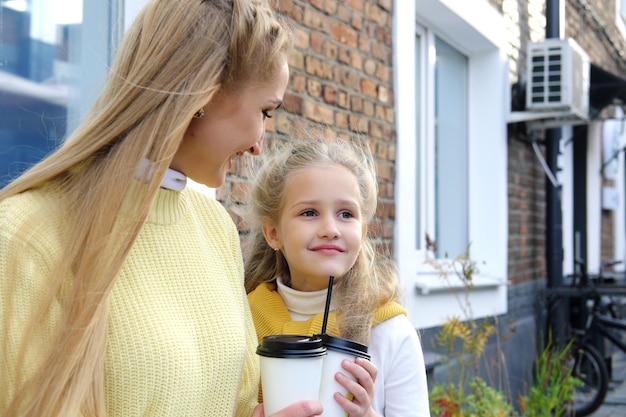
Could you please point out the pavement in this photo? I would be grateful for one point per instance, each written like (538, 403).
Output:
(614, 404)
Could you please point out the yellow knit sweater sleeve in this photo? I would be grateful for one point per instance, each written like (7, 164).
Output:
(181, 340)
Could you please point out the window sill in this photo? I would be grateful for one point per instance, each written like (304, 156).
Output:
(429, 284)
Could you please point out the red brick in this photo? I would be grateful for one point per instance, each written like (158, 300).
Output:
(341, 120)
(342, 100)
(332, 50)
(343, 14)
(370, 67)
(356, 104)
(317, 42)
(314, 88)
(301, 39)
(329, 94)
(292, 103)
(356, 61)
(319, 113)
(344, 35)
(368, 108)
(357, 5)
(298, 83)
(368, 88)
(316, 20)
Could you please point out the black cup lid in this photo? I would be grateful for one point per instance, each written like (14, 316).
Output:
(291, 346)
(344, 345)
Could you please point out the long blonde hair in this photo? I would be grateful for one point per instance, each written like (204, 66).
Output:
(174, 57)
(372, 281)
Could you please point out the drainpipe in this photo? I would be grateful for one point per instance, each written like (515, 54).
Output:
(554, 215)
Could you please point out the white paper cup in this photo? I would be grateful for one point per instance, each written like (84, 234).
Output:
(337, 349)
(291, 370)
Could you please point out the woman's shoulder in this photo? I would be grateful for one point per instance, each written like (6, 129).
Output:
(35, 206)
(33, 217)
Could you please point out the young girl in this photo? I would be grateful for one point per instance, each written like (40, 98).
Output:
(311, 204)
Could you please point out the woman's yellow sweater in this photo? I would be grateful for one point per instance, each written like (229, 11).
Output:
(181, 341)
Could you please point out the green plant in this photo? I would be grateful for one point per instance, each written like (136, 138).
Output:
(465, 393)
(553, 385)
(486, 401)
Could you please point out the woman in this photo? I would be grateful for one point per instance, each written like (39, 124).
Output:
(121, 292)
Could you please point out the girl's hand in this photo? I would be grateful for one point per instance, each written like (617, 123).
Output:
(299, 409)
(362, 390)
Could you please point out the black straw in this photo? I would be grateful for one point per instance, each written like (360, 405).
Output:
(327, 308)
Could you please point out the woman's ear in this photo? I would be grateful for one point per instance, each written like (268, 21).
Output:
(270, 231)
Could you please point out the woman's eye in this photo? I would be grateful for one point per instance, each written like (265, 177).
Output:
(266, 114)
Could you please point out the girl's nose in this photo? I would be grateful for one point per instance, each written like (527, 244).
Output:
(329, 229)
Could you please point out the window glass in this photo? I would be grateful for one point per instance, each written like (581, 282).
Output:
(451, 188)
(53, 54)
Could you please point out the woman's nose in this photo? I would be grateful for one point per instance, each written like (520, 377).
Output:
(257, 148)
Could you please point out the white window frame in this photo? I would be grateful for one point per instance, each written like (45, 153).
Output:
(462, 24)
(620, 183)
(620, 16)
(594, 195)
(565, 177)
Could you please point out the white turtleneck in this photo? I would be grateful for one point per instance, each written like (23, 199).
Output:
(303, 305)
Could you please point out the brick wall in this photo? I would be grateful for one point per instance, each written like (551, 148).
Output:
(527, 224)
(526, 178)
(592, 24)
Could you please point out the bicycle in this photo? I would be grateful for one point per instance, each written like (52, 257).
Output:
(585, 361)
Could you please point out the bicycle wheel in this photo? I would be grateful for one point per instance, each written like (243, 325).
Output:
(587, 365)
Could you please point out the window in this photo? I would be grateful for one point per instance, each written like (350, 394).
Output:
(451, 89)
(53, 53)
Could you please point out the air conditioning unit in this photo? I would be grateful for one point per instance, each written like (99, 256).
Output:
(558, 78)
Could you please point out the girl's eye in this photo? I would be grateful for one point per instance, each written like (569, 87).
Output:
(345, 215)
(266, 114)
(308, 213)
